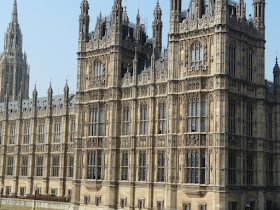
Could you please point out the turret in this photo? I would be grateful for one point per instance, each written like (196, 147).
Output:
(241, 10)
(50, 96)
(66, 94)
(34, 99)
(84, 25)
(175, 15)
(117, 12)
(135, 66)
(125, 16)
(221, 11)
(259, 15)
(99, 28)
(157, 31)
(276, 73)
(137, 35)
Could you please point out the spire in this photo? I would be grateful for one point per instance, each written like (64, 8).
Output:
(125, 16)
(14, 14)
(276, 67)
(276, 73)
(157, 30)
(35, 93)
(138, 18)
(137, 34)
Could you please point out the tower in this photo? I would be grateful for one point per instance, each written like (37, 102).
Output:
(259, 15)
(157, 31)
(13, 62)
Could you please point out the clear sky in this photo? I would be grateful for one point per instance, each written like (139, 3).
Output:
(50, 34)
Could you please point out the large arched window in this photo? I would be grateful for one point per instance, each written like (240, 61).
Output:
(98, 71)
(197, 54)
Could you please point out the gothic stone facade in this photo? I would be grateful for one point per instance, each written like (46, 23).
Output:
(195, 127)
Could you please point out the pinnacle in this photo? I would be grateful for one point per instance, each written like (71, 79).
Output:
(14, 13)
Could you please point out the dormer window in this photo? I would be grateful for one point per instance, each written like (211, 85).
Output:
(197, 54)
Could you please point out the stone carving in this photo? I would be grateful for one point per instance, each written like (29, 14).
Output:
(24, 148)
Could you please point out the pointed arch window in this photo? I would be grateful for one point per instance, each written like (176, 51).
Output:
(197, 54)
(126, 119)
(144, 120)
(162, 118)
(98, 71)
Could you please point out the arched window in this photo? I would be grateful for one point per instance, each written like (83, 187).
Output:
(126, 119)
(197, 54)
(98, 71)
(249, 66)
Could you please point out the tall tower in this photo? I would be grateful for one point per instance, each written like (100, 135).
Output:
(157, 30)
(13, 62)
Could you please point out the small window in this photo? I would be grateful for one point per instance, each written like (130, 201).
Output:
(41, 133)
(123, 203)
(86, 200)
(71, 166)
(97, 200)
(159, 205)
(26, 137)
(57, 132)
(232, 206)
(54, 191)
(202, 207)
(22, 191)
(24, 169)
(8, 190)
(186, 206)
(140, 204)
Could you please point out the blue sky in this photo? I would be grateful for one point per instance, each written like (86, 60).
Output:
(50, 34)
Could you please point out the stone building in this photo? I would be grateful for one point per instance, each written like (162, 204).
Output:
(192, 127)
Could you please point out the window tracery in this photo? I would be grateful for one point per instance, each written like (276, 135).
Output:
(197, 54)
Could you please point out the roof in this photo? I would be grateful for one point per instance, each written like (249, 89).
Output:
(57, 102)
